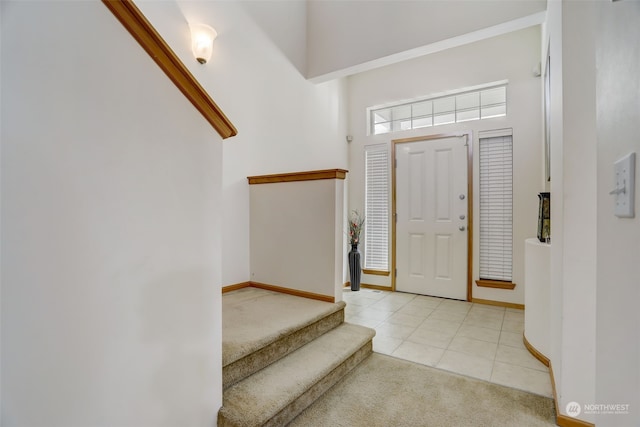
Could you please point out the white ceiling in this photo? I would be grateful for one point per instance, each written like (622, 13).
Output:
(367, 35)
(344, 37)
(327, 39)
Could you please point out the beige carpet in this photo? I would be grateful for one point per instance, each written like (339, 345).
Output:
(384, 391)
(275, 395)
(253, 318)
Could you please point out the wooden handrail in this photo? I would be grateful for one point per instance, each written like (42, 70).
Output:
(141, 29)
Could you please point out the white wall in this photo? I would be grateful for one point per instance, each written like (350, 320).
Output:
(511, 57)
(111, 189)
(346, 34)
(554, 35)
(579, 194)
(594, 324)
(573, 201)
(618, 244)
(285, 123)
(295, 237)
(288, 35)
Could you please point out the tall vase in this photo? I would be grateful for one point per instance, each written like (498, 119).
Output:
(354, 267)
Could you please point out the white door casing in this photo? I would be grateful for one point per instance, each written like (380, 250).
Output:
(431, 190)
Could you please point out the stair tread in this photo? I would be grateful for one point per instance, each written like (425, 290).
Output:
(257, 398)
(254, 318)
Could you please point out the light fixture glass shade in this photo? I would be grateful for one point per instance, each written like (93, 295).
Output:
(202, 37)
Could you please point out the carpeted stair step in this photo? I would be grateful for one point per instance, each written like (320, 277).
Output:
(278, 393)
(260, 327)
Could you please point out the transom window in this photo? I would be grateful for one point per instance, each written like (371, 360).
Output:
(477, 104)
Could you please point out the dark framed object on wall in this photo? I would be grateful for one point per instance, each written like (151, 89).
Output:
(547, 117)
(544, 217)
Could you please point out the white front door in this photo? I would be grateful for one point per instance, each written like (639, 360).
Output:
(432, 210)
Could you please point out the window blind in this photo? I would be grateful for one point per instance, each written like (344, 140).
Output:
(376, 226)
(496, 208)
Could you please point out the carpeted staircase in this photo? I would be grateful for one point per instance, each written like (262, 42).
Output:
(280, 353)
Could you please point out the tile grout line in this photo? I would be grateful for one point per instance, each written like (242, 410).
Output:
(401, 340)
(495, 359)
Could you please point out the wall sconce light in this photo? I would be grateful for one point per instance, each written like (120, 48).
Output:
(202, 37)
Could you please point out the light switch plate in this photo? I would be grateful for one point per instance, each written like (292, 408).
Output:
(625, 180)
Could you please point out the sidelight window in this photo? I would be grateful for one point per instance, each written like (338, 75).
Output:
(496, 207)
(376, 228)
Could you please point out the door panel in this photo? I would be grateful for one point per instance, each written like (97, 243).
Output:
(443, 256)
(416, 255)
(442, 175)
(416, 185)
(431, 198)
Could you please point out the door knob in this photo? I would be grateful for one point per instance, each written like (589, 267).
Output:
(461, 228)
(461, 197)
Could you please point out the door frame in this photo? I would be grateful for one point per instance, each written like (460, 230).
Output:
(469, 142)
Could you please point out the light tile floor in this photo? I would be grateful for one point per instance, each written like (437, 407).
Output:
(476, 340)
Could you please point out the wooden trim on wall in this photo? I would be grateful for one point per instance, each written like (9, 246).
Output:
(368, 286)
(561, 419)
(141, 29)
(567, 421)
(375, 272)
(280, 289)
(470, 216)
(235, 287)
(534, 351)
(498, 303)
(298, 176)
(469, 142)
(497, 284)
(295, 292)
